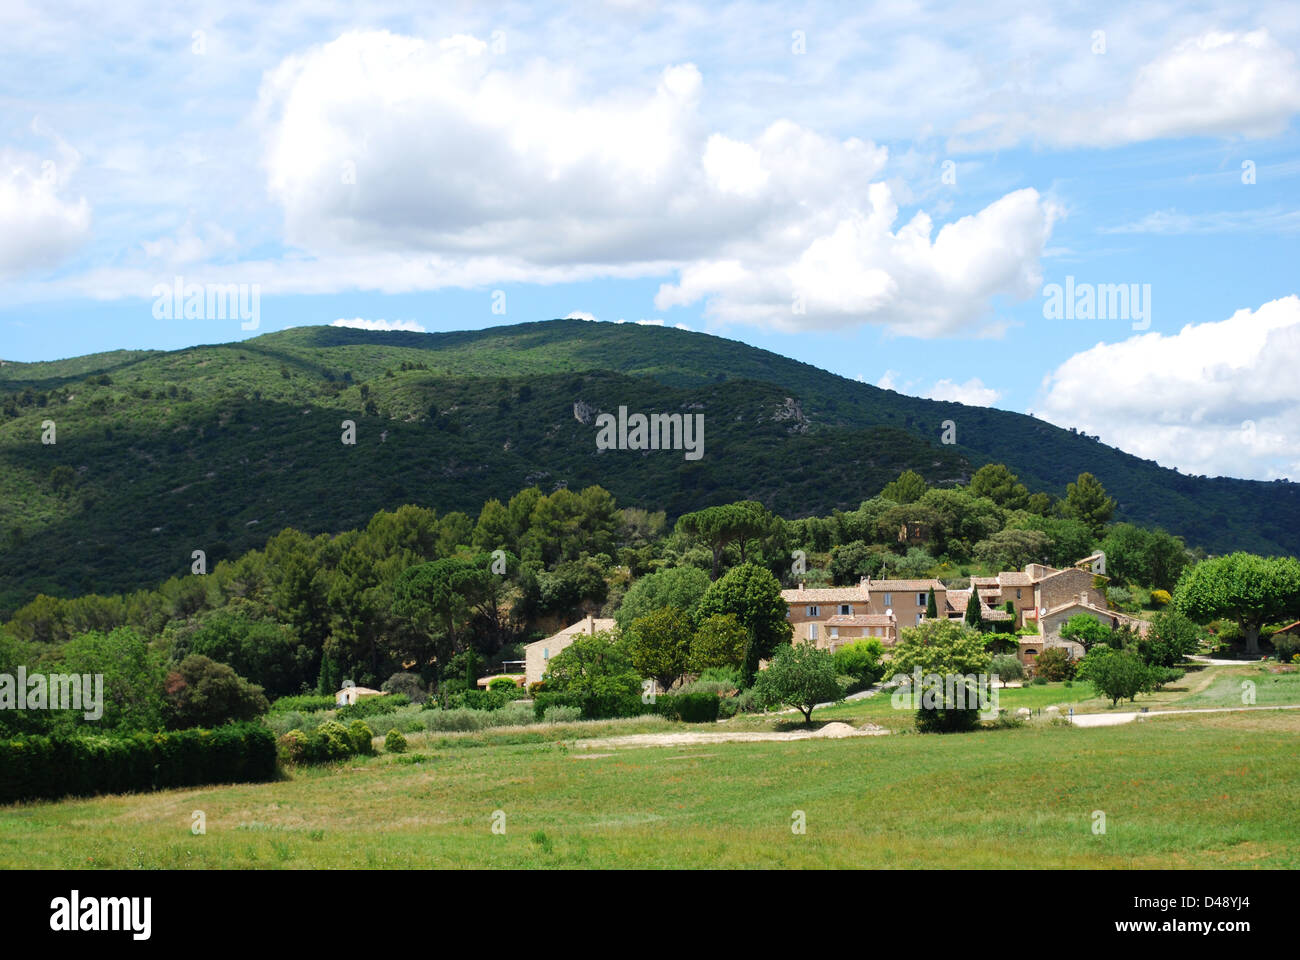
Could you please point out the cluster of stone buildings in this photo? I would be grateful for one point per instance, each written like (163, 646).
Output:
(1041, 597)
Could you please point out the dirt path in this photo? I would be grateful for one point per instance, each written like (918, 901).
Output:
(833, 731)
(1114, 719)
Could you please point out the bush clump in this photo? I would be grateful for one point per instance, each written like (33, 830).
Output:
(375, 706)
(394, 742)
(561, 714)
(304, 704)
(362, 737)
(689, 707)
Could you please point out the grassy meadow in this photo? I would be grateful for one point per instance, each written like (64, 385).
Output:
(1213, 790)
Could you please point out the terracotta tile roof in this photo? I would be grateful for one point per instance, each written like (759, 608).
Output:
(1014, 578)
(1076, 602)
(861, 620)
(903, 586)
(825, 595)
(957, 600)
(598, 625)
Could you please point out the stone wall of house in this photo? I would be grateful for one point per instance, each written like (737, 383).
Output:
(1052, 625)
(534, 663)
(1066, 586)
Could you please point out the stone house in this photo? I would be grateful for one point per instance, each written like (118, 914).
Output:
(538, 654)
(829, 617)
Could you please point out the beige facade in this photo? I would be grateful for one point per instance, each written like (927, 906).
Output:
(539, 653)
(829, 617)
(348, 696)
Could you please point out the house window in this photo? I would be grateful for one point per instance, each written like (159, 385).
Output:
(812, 631)
(918, 618)
(835, 633)
(920, 599)
(1017, 593)
(889, 599)
(814, 611)
(846, 610)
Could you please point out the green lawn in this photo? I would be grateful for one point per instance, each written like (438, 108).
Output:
(1214, 686)
(1202, 791)
(1226, 687)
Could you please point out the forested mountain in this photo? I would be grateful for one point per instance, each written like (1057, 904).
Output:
(217, 447)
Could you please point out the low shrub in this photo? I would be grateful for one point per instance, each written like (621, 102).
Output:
(1160, 677)
(362, 737)
(1053, 665)
(464, 719)
(1285, 646)
(504, 685)
(373, 706)
(594, 707)
(715, 688)
(1007, 719)
(688, 707)
(727, 675)
(561, 714)
(282, 723)
(303, 704)
(50, 767)
(293, 746)
(394, 742)
(861, 660)
(750, 701)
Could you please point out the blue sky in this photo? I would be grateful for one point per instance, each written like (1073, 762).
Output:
(886, 193)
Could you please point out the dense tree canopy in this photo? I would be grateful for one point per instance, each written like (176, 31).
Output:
(1249, 589)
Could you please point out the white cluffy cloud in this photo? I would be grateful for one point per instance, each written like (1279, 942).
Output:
(360, 324)
(1213, 84)
(40, 224)
(973, 392)
(466, 165)
(1217, 398)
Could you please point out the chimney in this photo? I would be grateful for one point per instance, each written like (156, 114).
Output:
(800, 584)
(1083, 596)
(863, 582)
(591, 625)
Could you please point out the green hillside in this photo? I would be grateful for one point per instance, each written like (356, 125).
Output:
(217, 447)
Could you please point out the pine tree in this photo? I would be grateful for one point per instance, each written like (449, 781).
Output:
(1086, 501)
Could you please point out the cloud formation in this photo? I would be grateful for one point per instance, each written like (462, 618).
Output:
(380, 144)
(360, 324)
(1218, 398)
(41, 225)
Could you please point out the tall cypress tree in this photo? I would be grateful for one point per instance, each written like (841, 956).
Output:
(974, 616)
(931, 608)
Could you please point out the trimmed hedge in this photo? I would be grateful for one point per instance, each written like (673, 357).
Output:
(50, 767)
(689, 707)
